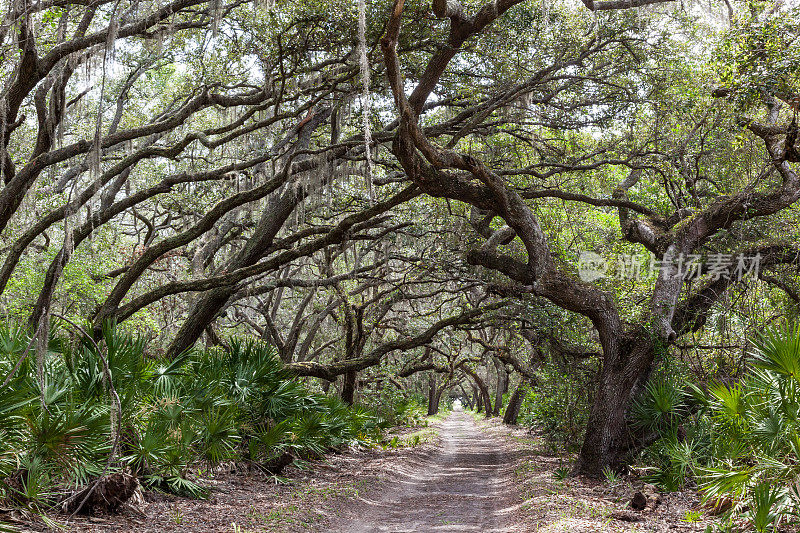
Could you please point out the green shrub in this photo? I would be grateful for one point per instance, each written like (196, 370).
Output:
(558, 406)
(754, 457)
(398, 408)
(682, 445)
(208, 407)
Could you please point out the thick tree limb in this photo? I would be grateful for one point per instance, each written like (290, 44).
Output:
(330, 371)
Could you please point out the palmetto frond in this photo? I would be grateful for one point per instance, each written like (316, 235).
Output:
(757, 439)
(660, 405)
(209, 406)
(778, 351)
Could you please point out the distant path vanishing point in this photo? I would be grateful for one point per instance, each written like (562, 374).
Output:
(465, 484)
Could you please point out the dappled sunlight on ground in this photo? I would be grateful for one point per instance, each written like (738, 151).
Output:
(580, 505)
(462, 485)
(465, 474)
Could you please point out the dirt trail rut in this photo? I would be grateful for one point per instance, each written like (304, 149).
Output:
(465, 484)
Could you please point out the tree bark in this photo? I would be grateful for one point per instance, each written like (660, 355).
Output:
(502, 387)
(349, 387)
(609, 441)
(433, 396)
(514, 403)
(484, 396)
(439, 398)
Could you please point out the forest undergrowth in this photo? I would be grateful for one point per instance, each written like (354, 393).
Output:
(74, 441)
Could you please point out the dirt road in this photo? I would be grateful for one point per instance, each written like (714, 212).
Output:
(481, 476)
(465, 484)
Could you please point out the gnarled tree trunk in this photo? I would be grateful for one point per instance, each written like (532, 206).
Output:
(609, 440)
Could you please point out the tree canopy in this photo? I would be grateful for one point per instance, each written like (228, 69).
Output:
(389, 190)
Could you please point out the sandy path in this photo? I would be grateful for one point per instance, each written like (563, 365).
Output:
(475, 477)
(465, 484)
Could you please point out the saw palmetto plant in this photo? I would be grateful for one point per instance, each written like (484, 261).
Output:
(755, 459)
(57, 432)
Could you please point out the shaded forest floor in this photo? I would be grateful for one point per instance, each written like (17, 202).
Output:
(462, 475)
